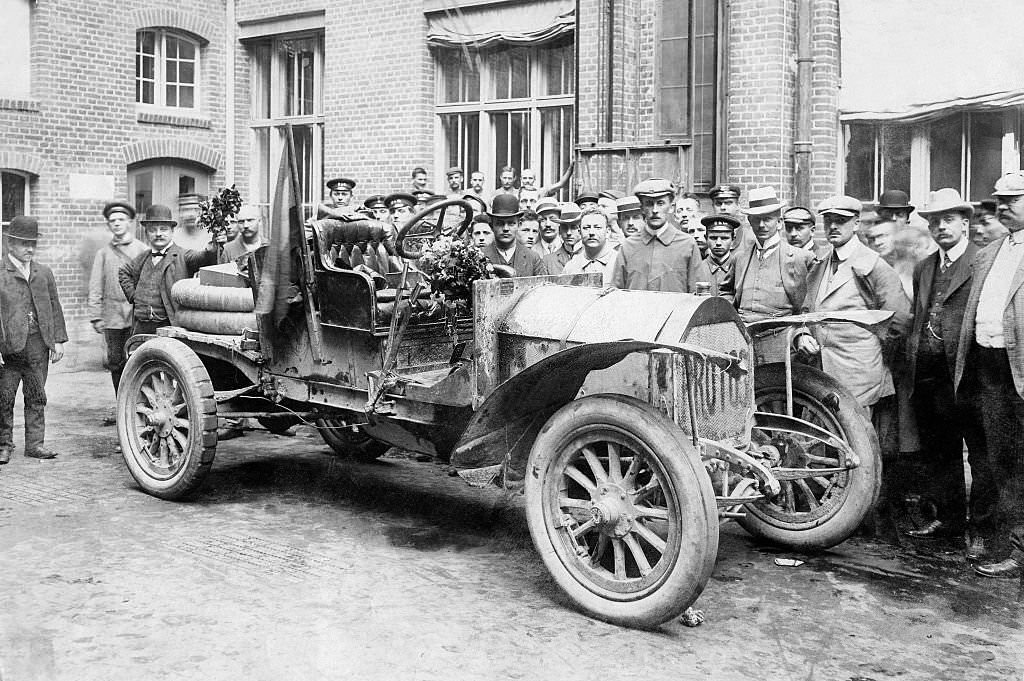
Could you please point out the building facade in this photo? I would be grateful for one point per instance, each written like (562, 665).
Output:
(168, 103)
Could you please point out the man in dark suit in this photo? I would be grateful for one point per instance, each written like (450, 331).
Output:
(942, 282)
(32, 334)
(147, 280)
(770, 274)
(990, 367)
(503, 250)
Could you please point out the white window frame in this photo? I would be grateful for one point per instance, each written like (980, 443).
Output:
(487, 106)
(268, 160)
(159, 81)
(6, 219)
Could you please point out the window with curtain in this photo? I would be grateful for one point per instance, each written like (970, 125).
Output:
(166, 70)
(507, 106)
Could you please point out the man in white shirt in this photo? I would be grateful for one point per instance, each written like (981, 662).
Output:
(597, 254)
(990, 367)
(548, 209)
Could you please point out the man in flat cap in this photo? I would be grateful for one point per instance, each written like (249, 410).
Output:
(455, 178)
(725, 198)
(941, 285)
(720, 229)
(147, 280)
(568, 221)
(798, 224)
(504, 250)
(338, 205)
(771, 275)
(661, 257)
(989, 368)
(109, 311)
(32, 334)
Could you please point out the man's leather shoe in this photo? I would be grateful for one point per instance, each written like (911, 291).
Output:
(932, 530)
(976, 549)
(5, 455)
(1004, 568)
(41, 453)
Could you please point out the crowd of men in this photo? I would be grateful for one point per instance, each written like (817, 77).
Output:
(946, 369)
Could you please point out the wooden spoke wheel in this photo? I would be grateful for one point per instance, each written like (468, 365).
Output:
(821, 511)
(167, 418)
(621, 510)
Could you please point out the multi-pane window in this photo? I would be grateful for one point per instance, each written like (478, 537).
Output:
(166, 70)
(507, 106)
(687, 80)
(13, 195)
(965, 151)
(287, 88)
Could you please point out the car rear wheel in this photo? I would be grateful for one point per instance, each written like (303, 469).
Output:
(348, 442)
(167, 418)
(621, 510)
(817, 512)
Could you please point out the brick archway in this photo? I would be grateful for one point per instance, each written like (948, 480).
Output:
(172, 148)
(22, 161)
(164, 17)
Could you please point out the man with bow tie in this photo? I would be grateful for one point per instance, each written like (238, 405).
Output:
(147, 280)
(942, 282)
(989, 367)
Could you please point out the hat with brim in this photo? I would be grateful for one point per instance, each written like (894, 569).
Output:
(453, 171)
(627, 205)
(375, 201)
(762, 201)
(118, 207)
(341, 181)
(654, 187)
(798, 215)
(585, 197)
(399, 199)
(845, 206)
(946, 200)
(23, 228)
(985, 206)
(158, 214)
(505, 206)
(724, 191)
(570, 214)
(720, 222)
(546, 205)
(1010, 184)
(894, 199)
(612, 194)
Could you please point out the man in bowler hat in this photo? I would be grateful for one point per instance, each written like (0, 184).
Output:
(32, 334)
(504, 250)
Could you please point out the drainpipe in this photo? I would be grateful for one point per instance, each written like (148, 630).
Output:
(229, 96)
(804, 72)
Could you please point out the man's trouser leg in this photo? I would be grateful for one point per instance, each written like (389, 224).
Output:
(942, 446)
(34, 391)
(10, 379)
(116, 338)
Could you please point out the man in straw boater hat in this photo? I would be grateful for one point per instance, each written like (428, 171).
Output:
(32, 334)
(942, 283)
(503, 250)
(990, 368)
(661, 257)
(147, 280)
(770, 274)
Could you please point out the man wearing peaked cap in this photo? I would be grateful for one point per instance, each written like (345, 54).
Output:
(504, 250)
(454, 176)
(725, 198)
(339, 197)
(377, 205)
(989, 368)
(941, 285)
(109, 311)
(771, 275)
(32, 334)
(798, 224)
(660, 257)
(720, 230)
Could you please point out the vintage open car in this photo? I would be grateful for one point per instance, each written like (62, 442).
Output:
(627, 417)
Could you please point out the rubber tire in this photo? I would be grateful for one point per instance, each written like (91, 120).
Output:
(695, 560)
(218, 323)
(179, 360)
(357, 445)
(855, 429)
(195, 296)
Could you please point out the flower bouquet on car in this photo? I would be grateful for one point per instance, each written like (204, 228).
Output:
(451, 266)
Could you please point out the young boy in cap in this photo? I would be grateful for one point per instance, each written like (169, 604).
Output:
(661, 257)
(109, 311)
(32, 334)
(720, 231)
(340, 196)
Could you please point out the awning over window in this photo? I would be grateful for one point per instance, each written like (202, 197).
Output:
(488, 26)
(916, 59)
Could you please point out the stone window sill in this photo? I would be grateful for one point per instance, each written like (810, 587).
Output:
(169, 119)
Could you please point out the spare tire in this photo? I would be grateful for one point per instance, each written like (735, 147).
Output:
(195, 296)
(211, 321)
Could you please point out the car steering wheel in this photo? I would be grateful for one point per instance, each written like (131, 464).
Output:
(419, 218)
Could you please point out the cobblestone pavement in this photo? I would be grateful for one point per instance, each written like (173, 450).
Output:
(294, 564)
